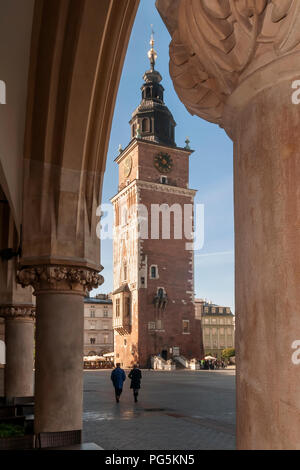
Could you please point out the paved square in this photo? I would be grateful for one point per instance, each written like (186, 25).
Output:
(186, 410)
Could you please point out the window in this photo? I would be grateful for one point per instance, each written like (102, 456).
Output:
(146, 125)
(206, 320)
(221, 309)
(164, 180)
(151, 325)
(105, 339)
(105, 313)
(93, 340)
(227, 310)
(117, 307)
(213, 310)
(160, 292)
(92, 314)
(127, 306)
(153, 272)
(142, 281)
(125, 342)
(205, 309)
(92, 325)
(185, 326)
(105, 326)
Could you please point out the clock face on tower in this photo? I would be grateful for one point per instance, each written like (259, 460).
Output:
(163, 162)
(127, 166)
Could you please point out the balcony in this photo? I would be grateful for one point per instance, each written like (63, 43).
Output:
(122, 325)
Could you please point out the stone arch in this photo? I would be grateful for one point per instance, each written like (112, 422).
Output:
(68, 124)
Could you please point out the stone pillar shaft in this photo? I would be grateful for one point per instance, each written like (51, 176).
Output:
(59, 343)
(19, 338)
(59, 294)
(267, 228)
(237, 64)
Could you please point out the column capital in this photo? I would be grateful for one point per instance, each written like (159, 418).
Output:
(59, 278)
(12, 312)
(219, 48)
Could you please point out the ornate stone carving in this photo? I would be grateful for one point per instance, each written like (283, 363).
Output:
(18, 311)
(216, 44)
(59, 278)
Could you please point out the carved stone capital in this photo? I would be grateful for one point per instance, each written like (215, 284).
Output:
(59, 278)
(25, 312)
(218, 45)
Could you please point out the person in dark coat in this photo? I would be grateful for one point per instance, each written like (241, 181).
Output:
(118, 377)
(135, 375)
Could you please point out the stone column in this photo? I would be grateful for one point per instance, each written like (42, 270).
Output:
(237, 64)
(59, 294)
(19, 338)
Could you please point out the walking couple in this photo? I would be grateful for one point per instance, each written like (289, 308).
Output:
(118, 377)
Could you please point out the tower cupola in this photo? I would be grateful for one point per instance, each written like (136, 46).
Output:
(152, 120)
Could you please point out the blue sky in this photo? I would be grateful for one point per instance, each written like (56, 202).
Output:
(211, 165)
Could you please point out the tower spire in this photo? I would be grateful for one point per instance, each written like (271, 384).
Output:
(152, 53)
(152, 120)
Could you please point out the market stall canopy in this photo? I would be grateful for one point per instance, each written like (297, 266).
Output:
(93, 358)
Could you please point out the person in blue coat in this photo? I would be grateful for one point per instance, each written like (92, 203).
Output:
(118, 377)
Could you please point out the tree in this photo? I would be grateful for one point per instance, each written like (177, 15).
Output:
(228, 352)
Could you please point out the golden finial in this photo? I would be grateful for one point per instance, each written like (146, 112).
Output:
(152, 53)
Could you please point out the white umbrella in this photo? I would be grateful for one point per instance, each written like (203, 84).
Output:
(92, 358)
(208, 358)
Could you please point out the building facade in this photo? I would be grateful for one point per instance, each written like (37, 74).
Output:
(153, 266)
(217, 327)
(98, 330)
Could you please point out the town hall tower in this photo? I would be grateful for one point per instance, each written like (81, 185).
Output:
(153, 263)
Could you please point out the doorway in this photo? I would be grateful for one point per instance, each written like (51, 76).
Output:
(164, 354)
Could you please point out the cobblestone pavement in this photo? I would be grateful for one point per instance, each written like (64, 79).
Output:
(184, 410)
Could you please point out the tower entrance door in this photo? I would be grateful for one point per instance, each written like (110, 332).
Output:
(164, 354)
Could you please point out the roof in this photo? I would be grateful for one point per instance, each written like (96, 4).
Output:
(93, 300)
(123, 288)
(210, 305)
(217, 314)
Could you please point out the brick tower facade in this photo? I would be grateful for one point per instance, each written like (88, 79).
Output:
(153, 259)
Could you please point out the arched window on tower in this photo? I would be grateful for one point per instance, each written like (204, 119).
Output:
(148, 92)
(133, 130)
(146, 125)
